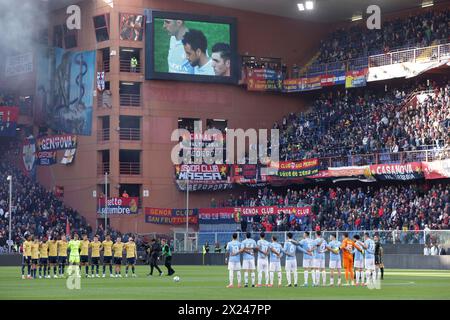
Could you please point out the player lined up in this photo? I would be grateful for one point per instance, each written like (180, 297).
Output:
(356, 254)
(46, 255)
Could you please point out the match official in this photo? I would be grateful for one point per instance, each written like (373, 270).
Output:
(167, 253)
(155, 250)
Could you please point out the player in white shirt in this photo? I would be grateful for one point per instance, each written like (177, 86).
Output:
(369, 259)
(307, 244)
(233, 256)
(248, 258)
(176, 58)
(359, 260)
(263, 259)
(195, 46)
(290, 248)
(335, 259)
(319, 258)
(276, 251)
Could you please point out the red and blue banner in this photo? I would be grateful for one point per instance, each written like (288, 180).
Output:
(170, 216)
(356, 78)
(264, 80)
(332, 79)
(45, 158)
(8, 121)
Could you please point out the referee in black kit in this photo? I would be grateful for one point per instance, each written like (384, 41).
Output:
(155, 250)
(167, 254)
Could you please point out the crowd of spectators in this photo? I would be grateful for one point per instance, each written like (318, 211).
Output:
(35, 209)
(359, 41)
(342, 124)
(393, 207)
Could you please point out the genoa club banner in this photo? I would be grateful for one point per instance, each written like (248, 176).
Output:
(354, 79)
(45, 158)
(333, 79)
(407, 171)
(8, 121)
(170, 216)
(233, 215)
(118, 205)
(205, 177)
(59, 142)
(264, 80)
(291, 169)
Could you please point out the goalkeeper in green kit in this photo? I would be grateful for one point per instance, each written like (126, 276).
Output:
(74, 257)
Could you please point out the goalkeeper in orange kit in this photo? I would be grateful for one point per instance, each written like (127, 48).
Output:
(347, 257)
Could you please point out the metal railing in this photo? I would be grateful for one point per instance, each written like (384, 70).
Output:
(130, 100)
(385, 158)
(104, 99)
(130, 168)
(125, 66)
(425, 54)
(132, 134)
(391, 237)
(103, 168)
(103, 134)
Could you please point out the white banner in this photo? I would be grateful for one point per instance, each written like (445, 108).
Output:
(20, 64)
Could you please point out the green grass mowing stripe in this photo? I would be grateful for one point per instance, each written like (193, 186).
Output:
(208, 282)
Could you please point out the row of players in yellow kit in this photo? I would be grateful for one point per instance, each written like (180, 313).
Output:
(47, 254)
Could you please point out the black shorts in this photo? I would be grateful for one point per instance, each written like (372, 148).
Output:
(107, 259)
(84, 259)
(378, 260)
(62, 260)
(117, 261)
(131, 260)
(95, 260)
(53, 260)
(26, 260)
(34, 261)
(43, 261)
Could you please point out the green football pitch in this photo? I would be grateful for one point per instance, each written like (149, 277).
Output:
(208, 282)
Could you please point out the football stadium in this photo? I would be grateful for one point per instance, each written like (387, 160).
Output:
(224, 150)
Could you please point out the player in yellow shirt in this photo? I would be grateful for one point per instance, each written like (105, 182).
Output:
(43, 257)
(53, 255)
(34, 256)
(107, 245)
(118, 254)
(84, 254)
(95, 255)
(26, 258)
(62, 253)
(130, 249)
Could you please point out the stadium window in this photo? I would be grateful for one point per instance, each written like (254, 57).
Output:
(70, 37)
(101, 25)
(219, 124)
(42, 36)
(187, 123)
(131, 26)
(58, 36)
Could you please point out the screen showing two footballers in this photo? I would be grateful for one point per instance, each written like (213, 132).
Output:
(192, 48)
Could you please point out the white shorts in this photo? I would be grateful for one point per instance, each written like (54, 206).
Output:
(370, 264)
(248, 264)
(319, 263)
(291, 265)
(335, 264)
(359, 264)
(307, 263)
(263, 264)
(275, 266)
(234, 266)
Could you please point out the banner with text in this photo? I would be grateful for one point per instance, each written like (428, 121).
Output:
(202, 177)
(291, 169)
(170, 216)
(119, 206)
(58, 142)
(264, 80)
(407, 171)
(45, 158)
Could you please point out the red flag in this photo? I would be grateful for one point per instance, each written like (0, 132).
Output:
(67, 227)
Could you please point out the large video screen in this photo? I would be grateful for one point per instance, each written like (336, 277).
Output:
(190, 47)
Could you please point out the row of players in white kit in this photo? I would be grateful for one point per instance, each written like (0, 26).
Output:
(313, 259)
